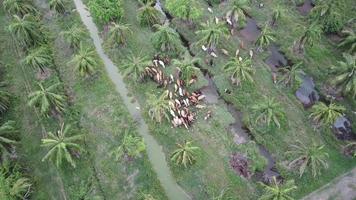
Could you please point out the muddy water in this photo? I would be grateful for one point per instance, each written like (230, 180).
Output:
(276, 58)
(154, 150)
(306, 7)
(251, 31)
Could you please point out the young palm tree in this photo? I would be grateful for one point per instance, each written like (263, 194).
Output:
(327, 114)
(26, 30)
(240, 69)
(118, 34)
(13, 184)
(278, 191)
(349, 42)
(166, 39)
(346, 75)
(84, 61)
(39, 58)
(148, 15)
(73, 36)
(313, 156)
(60, 145)
(291, 74)
(269, 111)
(186, 9)
(311, 35)
(134, 67)
(58, 6)
(18, 7)
(158, 107)
(184, 154)
(266, 37)
(6, 130)
(47, 98)
(236, 14)
(131, 146)
(4, 101)
(278, 12)
(212, 33)
(186, 67)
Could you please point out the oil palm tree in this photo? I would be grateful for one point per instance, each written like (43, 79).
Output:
(346, 75)
(39, 58)
(349, 42)
(58, 6)
(134, 67)
(18, 7)
(278, 191)
(73, 36)
(313, 157)
(239, 69)
(84, 60)
(13, 184)
(212, 33)
(131, 146)
(268, 111)
(311, 35)
(186, 67)
(184, 9)
(277, 14)
(6, 131)
(60, 145)
(25, 30)
(166, 39)
(184, 154)
(4, 101)
(118, 34)
(327, 114)
(158, 107)
(265, 38)
(148, 15)
(47, 98)
(291, 74)
(236, 13)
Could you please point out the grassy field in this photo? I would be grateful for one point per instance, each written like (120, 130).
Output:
(94, 108)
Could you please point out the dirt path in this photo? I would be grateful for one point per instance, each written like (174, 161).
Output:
(341, 188)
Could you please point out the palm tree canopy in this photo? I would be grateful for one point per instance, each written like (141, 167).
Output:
(240, 69)
(131, 145)
(346, 77)
(84, 60)
(349, 42)
(60, 145)
(166, 39)
(148, 15)
(4, 101)
(47, 98)
(184, 9)
(134, 67)
(268, 111)
(184, 154)
(26, 30)
(212, 33)
(73, 36)
(158, 107)
(327, 114)
(311, 35)
(58, 6)
(313, 156)
(266, 37)
(39, 58)
(6, 131)
(118, 33)
(18, 7)
(13, 184)
(291, 74)
(186, 66)
(236, 14)
(278, 191)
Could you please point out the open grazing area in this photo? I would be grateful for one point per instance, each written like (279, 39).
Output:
(177, 99)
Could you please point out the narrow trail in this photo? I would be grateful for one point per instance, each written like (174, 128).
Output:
(154, 150)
